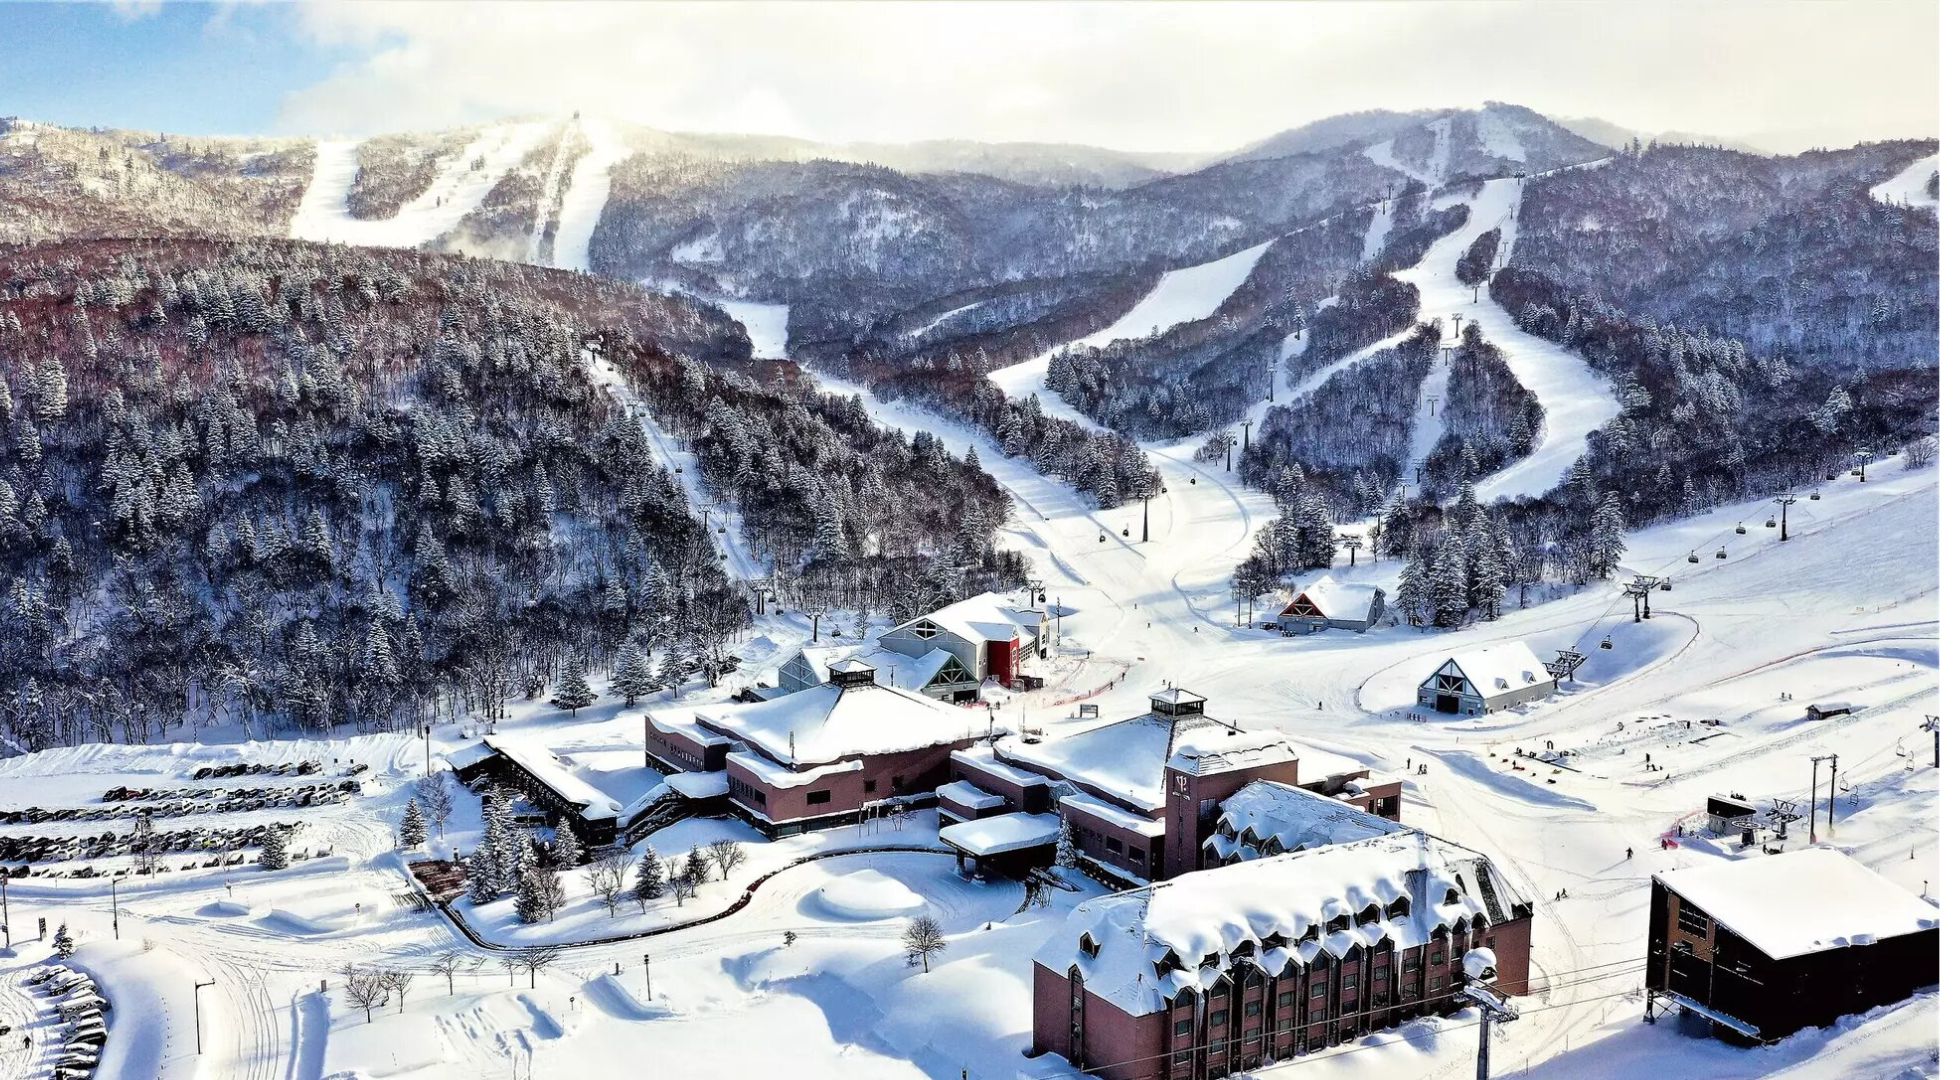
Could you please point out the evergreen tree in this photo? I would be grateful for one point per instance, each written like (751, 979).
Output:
(670, 668)
(414, 830)
(573, 692)
(531, 905)
(1066, 855)
(567, 852)
(1449, 582)
(1605, 541)
(696, 868)
(1412, 590)
(486, 876)
(650, 879)
(64, 942)
(272, 853)
(632, 677)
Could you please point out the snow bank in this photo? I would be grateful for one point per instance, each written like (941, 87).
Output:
(865, 896)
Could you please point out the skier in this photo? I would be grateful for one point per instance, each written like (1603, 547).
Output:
(1629, 854)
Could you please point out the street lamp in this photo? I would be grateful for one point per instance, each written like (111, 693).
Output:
(646, 961)
(197, 1010)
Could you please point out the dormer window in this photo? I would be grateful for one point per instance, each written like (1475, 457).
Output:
(1398, 907)
(1337, 923)
(1089, 946)
(1451, 896)
(1369, 914)
(1502, 683)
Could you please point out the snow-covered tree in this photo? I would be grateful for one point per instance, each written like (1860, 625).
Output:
(649, 879)
(64, 942)
(272, 852)
(567, 851)
(632, 677)
(573, 692)
(414, 830)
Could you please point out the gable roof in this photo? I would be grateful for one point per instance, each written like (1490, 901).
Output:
(1341, 601)
(1802, 902)
(1125, 760)
(828, 723)
(1500, 669)
(893, 668)
(979, 619)
(1297, 818)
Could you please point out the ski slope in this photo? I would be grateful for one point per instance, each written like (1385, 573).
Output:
(457, 189)
(1576, 399)
(586, 194)
(1909, 187)
(554, 193)
(1179, 297)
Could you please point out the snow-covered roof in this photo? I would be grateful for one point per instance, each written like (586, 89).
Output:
(1345, 601)
(892, 668)
(1317, 766)
(982, 759)
(1500, 669)
(1802, 902)
(1109, 813)
(700, 785)
(1297, 819)
(1280, 906)
(967, 797)
(1125, 760)
(778, 776)
(828, 723)
(688, 728)
(982, 618)
(473, 754)
(546, 769)
(1002, 833)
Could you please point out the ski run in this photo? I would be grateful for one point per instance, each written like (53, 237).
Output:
(460, 186)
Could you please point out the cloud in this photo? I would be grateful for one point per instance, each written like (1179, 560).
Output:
(1167, 76)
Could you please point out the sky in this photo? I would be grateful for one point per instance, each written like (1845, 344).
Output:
(1159, 76)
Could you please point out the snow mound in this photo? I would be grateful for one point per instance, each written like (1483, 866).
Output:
(866, 895)
(224, 909)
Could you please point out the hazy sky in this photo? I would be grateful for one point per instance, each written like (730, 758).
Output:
(1159, 76)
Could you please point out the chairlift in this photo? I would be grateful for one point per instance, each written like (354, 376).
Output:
(1770, 524)
(1102, 538)
(1693, 558)
(1739, 528)
(1815, 496)
(1126, 530)
(1606, 643)
(1194, 481)
(1667, 584)
(721, 528)
(1722, 553)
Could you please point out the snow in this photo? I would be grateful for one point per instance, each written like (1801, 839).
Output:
(1297, 819)
(1125, 760)
(1345, 601)
(977, 620)
(1499, 669)
(1197, 920)
(586, 194)
(1909, 187)
(1497, 137)
(545, 767)
(1003, 833)
(1576, 399)
(1180, 296)
(456, 190)
(867, 895)
(962, 794)
(829, 723)
(1828, 901)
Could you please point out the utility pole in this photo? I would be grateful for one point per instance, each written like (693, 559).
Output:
(1832, 820)
(1864, 460)
(646, 962)
(7, 919)
(1785, 498)
(115, 914)
(1491, 1007)
(197, 1010)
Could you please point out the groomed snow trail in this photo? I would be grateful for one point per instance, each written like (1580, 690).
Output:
(554, 185)
(1909, 187)
(456, 190)
(586, 194)
(726, 527)
(1180, 296)
(1575, 398)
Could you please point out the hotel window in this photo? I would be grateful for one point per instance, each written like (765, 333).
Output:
(1136, 852)
(817, 798)
(1113, 844)
(1319, 990)
(1350, 981)
(870, 786)
(1218, 1018)
(1691, 921)
(1316, 1016)
(1252, 1008)
(1183, 1028)
(1285, 998)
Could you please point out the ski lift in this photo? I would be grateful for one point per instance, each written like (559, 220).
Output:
(1739, 528)
(1606, 643)
(1667, 584)
(1814, 496)
(721, 528)
(1693, 558)
(1194, 481)
(1126, 530)
(1102, 538)
(1770, 524)
(1722, 553)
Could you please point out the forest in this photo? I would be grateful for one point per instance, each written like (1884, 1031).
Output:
(292, 487)
(1489, 420)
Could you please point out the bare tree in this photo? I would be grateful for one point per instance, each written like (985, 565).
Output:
(365, 989)
(512, 964)
(727, 854)
(434, 794)
(606, 874)
(398, 980)
(536, 959)
(683, 884)
(447, 964)
(923, 939)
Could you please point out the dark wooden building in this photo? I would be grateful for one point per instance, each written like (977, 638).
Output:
(1762, 947)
